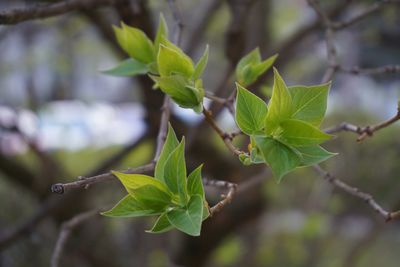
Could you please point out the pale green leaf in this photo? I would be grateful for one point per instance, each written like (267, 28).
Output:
(188, 220)
(134, 181)
(194, 183)
(252, 72)
(280, 105)
(250, 111)
(128, 67)
(162, 32)
(251, 58)
(309, 102)
(281, 158)
(135, 42)
(175, 172)
(312, 155)
(162, 225)
(150, 197)
(299, 133)
(171, 142)
(129, 207)
(171, 61)
(201, 65)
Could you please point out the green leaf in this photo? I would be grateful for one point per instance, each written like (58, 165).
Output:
(171, 61)
(251, 58)
(177, 87)
(250, 111)
(280, 105)
(299, 133)
(134, 181)
(128, 67)
(162, 32)
(150, 197)
(171, 142)
(162, 225)
(280, 157)
(194, 183)
(309, 102)
(175, 172)
(312, 155)
(188, 220)
(201, 65)
(129, 207)
(252, 72)
(135, 42)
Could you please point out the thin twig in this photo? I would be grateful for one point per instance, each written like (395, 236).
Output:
(178, 21)
(42, 11)
(366, 131)
(388, 216)
(66, 231)
(226, 199)
(226, 137)
(162, 132)
(387, 69)
(84, 182)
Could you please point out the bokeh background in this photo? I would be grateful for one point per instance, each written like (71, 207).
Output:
(61, 118)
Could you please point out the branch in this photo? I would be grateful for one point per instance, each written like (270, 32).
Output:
(370, 10)
(387, 69)
(43, 11)
(366, 131)
(226, 199)
(226, 137)
(162, 132)
(387, 215)
(66, 231)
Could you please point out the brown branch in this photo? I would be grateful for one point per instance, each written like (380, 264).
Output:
(43, 11)
(387, 215)
(226, 199)
(366, 131)
(388, 69)
(226, 137)
(66, 231)
(84, 182)
(370, 10)
(162, 132)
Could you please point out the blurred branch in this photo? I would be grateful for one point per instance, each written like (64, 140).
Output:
(226, 199)
(366, 131)
(42, 11)
(162, 133)
(387, 215)
(370, 10)
(371, 71)
(66, 231)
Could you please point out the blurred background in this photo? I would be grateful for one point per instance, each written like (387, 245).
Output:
(60, 118)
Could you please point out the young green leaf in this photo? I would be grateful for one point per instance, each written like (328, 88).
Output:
(188, 220)
(162, 225)
(194, 183)
(128, 67)
(129, 207)
(312, 155)
(309, 102)
(171, 142)
(177, 88)
(251, 58)
(201, 65)
(175, 172)
(150, 197)
(135, 42)
(134, 181)
(250, 111)
(280, 105)
(162, 32)
(252, 72)
(170, 61)
(299, 133)
(281, 158)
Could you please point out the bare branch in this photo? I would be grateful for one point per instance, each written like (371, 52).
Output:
(387, 69)
(366, 131)
(66, 231)
(226, 199)
(162, 132)
(49, 10)
(226, 137)
(388, 216)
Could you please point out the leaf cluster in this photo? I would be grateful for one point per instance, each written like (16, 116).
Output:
(285, 134)
(177, 199)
